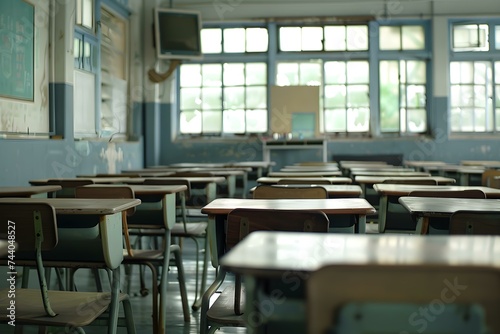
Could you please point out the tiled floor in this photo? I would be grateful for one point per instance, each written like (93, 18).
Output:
(142, 305)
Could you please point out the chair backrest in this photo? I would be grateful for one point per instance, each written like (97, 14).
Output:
(69, 186)
(475, 222)
(106, 192)
(22, 219)
(36, 227)
(468, 193)
(165, 181)
(396, 289)
(111, 192)
(192, 174)
(241, 222)
(429, 181)
(302, 181)
(270, 192)
(487, 178)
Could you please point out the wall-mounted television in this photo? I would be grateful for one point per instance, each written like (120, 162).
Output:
(177, 33)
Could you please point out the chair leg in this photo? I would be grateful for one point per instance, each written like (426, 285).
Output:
(114, 305)
(182, 282)
(129, 317)
(206, 258)
(205, 302)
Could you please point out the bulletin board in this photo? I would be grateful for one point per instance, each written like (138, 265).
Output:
(295, 109)
(24, 67)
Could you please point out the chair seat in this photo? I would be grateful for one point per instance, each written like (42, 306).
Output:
(222, 310)
(192, 229)
(77, 309)
(143, 255)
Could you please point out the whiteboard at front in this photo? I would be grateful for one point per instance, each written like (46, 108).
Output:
(293, 104)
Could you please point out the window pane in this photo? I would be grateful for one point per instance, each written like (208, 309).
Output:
(470, 37)
(234, 74)
(497, 37)
(312, 38)
(497, 119)
(234, 121)
(413, 37)
(415, 72)
(211, 40)
(290, 39)
(256, 97)
(357, 96)
(234, 40)
(256, 74)
(335, 120)
(357, 38)
(335, 96)
(288, 74)
(257, 40)
(357, 119)
(335, 72)
(190, 76)
(212, 121)
(190, 122)
(415, 96)
(358, 72)
(190, 98)
(335, 38)
(87, 14)
(256, 121)
(416, 120)
(390, 38)
(211, 98)
(234, 97)
(310, 74)
(389, 96)
(212, 75)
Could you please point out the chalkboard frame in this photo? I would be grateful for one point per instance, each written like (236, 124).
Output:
(22, 16)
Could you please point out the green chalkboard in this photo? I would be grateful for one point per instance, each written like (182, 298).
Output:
(16, 49)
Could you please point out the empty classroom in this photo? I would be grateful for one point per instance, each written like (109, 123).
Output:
(171, 113)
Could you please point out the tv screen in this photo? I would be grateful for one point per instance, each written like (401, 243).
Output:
(177, 34)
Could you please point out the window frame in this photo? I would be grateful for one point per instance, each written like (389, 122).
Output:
(492, 56)
(273, 56)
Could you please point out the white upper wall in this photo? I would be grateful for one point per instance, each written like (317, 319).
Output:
(228, 10)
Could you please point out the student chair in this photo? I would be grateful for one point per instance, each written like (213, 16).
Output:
(403, 299)
(193, 225)
(474, 222)
(397, 219)
(37, 236)
(150, 218)
(302, 181)
(270, 192)
(440, 225)
(227, 308)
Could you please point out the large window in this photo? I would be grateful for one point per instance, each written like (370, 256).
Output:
(475, 77)
(101, 59)
(372, 79)
(227, 95)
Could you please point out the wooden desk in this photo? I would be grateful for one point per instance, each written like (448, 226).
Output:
(332, 179)
(163, 216)
(333, 190)
(305, 174)
(218, 210)
(281, 262)
(461, 172)
(390, 192)
(107, 212)
(96, 180)
(27, 191)
(425, 207)
(90, 233)
(387, 173)
(295, 168)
